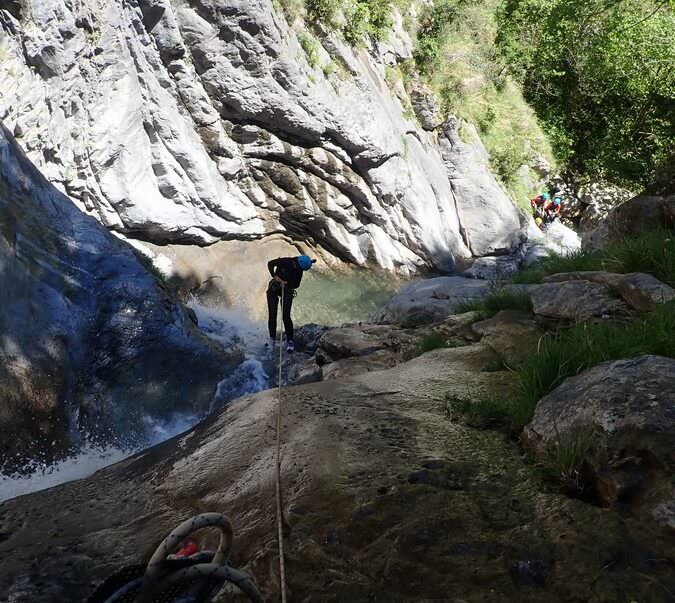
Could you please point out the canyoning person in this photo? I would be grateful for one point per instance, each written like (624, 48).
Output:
(552, 209)
(539, 202)
(286, 276)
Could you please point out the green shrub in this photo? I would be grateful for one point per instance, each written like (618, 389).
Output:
(652, 252)
(498, 299)
(311, 47)
(323, 11)
(430, 341)
(594, 72)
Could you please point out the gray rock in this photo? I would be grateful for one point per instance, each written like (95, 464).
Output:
(628, 407)
(424, 103)
(488, 220)
(432, 300)
(640, 291)
(350, 341)
(641, 214)
(493, 267)
(201, 122)
(512, 335)
(85, 330)
(575, 300)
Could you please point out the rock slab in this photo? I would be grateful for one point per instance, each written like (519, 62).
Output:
(629, 407)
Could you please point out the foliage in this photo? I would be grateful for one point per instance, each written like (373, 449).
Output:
(600, 75)
(498, 299)
(430, 341)
(652, 252)
(357, 20)
(455, 53)
(311, 47)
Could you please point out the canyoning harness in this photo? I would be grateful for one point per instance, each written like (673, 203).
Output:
(278, 289)
(167, 578)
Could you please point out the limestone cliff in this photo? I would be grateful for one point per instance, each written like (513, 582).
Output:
(200, 121)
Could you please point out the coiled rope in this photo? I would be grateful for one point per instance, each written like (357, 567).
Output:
(280, 529)
(167, 579)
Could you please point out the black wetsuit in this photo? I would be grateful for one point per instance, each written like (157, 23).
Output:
(286, 269)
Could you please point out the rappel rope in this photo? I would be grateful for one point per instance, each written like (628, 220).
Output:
(280, 531)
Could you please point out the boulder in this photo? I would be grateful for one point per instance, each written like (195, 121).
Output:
(348, 367)
(640, 291)
(512, 334)
(431, 300)
(575, 300)
(347, 342)
(627, 406)
(640, 214)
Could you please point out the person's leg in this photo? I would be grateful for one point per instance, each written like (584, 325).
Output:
(272, 301)
(286, 315)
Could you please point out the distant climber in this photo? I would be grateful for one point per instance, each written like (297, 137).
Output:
(552, 209)
(286, 276)
(539, 202)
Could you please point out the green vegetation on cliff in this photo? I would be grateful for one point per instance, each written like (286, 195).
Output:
(456, 56)
(601, 76)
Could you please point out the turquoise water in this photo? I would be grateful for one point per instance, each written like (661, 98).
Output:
(347, 296)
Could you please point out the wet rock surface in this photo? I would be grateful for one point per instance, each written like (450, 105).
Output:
(376, 476)
(90, 341)
(629, 407)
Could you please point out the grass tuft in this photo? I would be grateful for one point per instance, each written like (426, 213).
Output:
(584, 345)
(564, 460)
(430, 341)
(498, 299)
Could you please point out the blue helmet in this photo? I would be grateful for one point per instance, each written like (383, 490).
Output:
(545, 196)
(305, 262)
(556, 201)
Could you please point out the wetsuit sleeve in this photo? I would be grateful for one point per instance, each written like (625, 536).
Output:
(271, 265)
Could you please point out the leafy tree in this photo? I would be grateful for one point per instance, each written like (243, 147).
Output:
(601, 76)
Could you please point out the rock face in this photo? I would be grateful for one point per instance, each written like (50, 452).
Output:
(629, 405)
(373, 470)
(488, 219)
(586, 206)
(178, 122)
(88, 336)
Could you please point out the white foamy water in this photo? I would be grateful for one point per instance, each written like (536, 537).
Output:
(89, 459)
(226, 327)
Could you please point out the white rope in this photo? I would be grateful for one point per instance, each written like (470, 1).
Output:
(280, 534)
